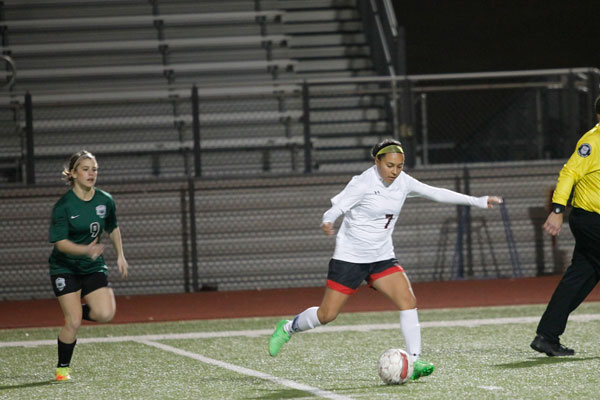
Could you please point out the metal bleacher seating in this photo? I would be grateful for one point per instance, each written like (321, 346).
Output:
(114, 76)
(264, 232)
(119, 74)
(75, 63)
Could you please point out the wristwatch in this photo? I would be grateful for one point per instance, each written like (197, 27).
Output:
(558, 208)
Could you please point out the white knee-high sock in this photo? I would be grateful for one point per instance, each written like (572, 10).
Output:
(409, 323)
(304, 321)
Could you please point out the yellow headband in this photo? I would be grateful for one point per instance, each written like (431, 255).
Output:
(392, 148)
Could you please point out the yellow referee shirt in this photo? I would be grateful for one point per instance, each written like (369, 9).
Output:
(583, 171)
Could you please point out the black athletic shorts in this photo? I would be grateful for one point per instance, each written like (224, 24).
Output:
(346, 277)
(68, 283)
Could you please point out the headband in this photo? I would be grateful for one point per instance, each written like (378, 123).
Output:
(392, 148)
(85, 155)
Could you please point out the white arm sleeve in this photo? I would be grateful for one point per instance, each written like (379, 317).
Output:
(344, 201)
(419, 189)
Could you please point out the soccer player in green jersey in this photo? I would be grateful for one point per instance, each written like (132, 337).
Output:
(77, 267)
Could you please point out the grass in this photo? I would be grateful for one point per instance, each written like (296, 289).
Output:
(473, 361)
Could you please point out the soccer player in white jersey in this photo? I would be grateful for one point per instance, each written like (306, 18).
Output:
(370, 204)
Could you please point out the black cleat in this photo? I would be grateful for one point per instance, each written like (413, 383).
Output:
(543, 345)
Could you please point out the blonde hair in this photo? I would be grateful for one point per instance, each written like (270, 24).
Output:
(73, 163)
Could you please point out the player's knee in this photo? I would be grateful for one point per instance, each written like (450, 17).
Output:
(73, 322)
(408, 301)
(326, 316)
(103, 315)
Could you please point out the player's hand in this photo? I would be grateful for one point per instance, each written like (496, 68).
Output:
(327, 228)
(123, 266)
(553, 224)
(494, 200)
(94, 249)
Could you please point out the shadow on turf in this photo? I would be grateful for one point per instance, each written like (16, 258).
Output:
(295, 394)
(27, 385)
(532, 362)
(283, 394)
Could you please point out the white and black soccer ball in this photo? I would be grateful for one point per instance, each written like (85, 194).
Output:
(395, 366)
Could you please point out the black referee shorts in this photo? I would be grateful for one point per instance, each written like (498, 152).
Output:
(346, 277)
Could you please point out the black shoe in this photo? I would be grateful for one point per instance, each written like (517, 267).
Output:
(543, 345)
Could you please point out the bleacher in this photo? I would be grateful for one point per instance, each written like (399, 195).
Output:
(117, 75)
(264, 233)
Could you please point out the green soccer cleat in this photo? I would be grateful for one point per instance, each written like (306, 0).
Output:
(63, 374)
(279, 337)
(421, 368)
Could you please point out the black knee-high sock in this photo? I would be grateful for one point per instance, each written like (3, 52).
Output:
(85, 312)
(65, 352)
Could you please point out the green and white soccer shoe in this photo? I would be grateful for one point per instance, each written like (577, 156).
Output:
(422, 368)
(279, 338)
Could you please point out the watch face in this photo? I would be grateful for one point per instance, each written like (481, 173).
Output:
(557, 210)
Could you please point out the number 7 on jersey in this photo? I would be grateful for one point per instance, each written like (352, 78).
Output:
(389, 219)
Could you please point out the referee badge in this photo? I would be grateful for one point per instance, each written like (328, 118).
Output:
(584, 150)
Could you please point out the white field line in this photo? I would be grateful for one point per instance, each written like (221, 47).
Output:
(246, 371)
(467, 323)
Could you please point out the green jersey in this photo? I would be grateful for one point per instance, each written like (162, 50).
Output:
(80, 222)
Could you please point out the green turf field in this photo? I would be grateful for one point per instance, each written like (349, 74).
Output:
(479, 353)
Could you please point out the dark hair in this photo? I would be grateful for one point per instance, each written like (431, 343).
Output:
(597, 105)
(381, 145)
(73, 163)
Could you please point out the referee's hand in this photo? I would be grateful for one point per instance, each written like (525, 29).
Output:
(553, 224)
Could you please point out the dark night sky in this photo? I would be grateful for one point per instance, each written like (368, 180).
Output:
(491, 35)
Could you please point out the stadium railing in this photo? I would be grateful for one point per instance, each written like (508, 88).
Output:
(509, 117)
(137, 20)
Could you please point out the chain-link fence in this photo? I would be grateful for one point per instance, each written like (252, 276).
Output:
(505, 118)
(189, 235)
(267, 162)
(311, 126)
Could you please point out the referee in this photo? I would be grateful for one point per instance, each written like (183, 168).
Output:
(582, 171)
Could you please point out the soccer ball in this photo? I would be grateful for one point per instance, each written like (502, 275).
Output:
(395, 366)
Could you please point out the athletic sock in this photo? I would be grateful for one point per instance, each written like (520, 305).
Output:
(85, 312)
(304, 321)
(65, 352)
(411, 330)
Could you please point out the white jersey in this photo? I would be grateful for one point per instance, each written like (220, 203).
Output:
(371, 210)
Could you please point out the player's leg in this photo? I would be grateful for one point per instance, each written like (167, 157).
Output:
(70, 304)
(332, 304)
(67, 289)
(99, 297)
(343, 279)
(397, 288)
(102, 304)
(395, 285)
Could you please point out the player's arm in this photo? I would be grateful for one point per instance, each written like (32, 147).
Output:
(342, 202)
(92, 250)
(59, 233)
(115, 237)
(442, 195)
